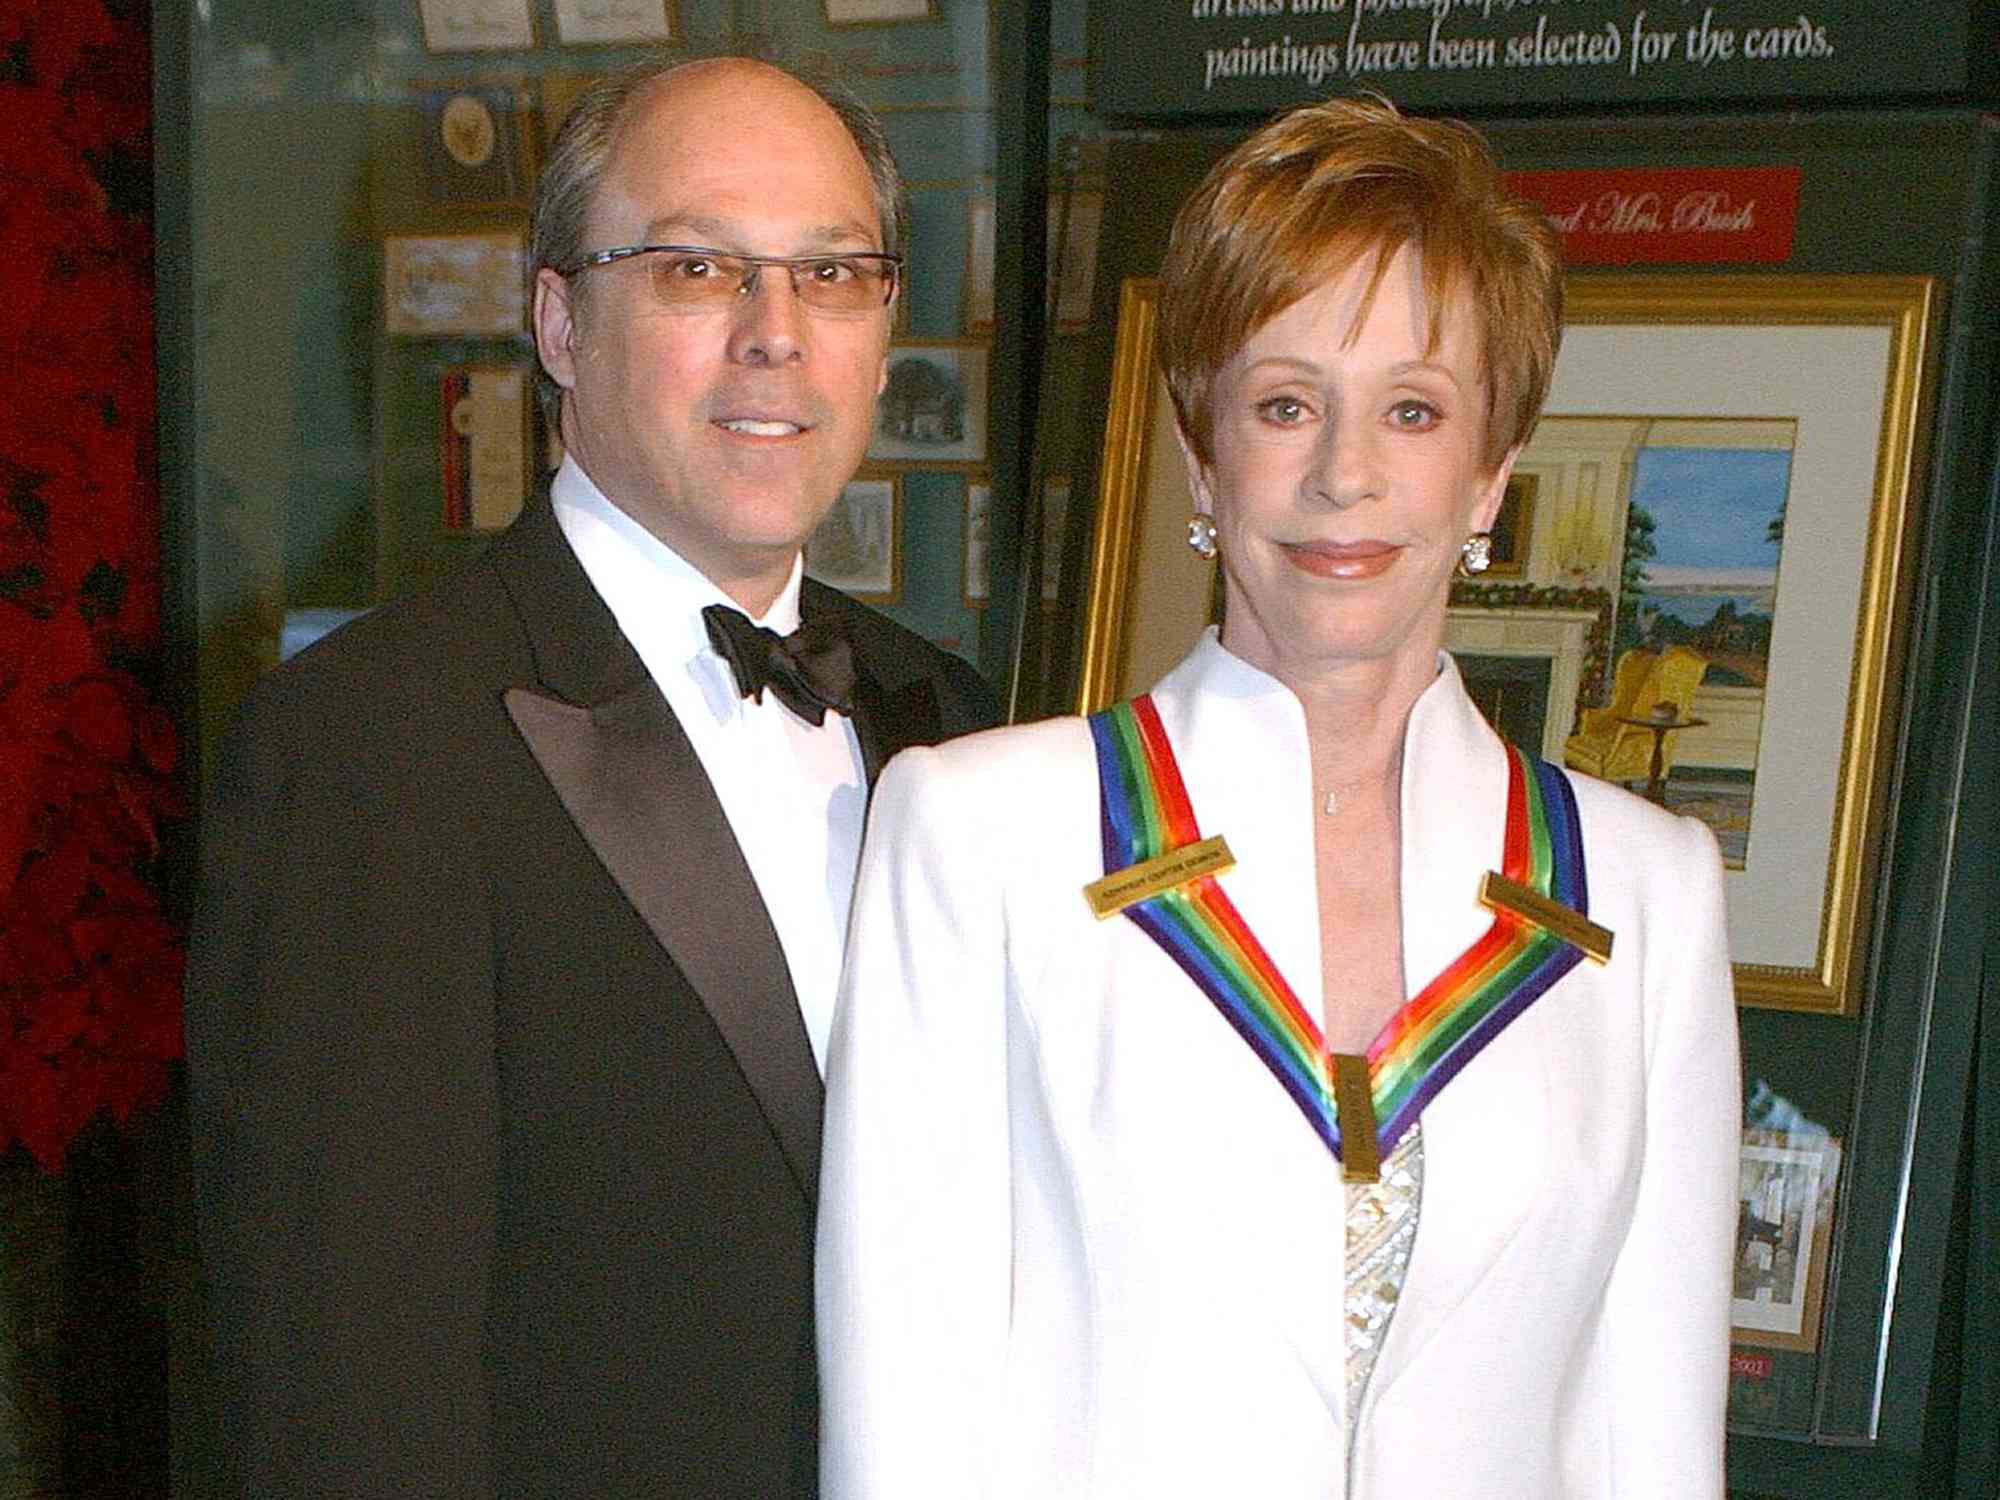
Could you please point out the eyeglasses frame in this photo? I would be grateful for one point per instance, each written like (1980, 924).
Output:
(793, 264)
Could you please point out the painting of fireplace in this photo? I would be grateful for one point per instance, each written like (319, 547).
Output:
(1524, 668)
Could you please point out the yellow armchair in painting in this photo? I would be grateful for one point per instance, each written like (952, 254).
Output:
(1645, 687)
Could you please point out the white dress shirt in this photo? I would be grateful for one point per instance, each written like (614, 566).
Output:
(794, 793)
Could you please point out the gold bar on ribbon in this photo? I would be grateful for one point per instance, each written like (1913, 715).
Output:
(1143, 881)
(1502, 894)
(1354, 1106)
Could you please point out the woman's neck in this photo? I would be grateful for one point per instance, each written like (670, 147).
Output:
(1356, 711)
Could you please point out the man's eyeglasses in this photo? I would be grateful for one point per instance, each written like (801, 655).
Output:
(691, 278)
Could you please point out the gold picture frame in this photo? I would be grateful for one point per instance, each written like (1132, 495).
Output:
(1685, 348)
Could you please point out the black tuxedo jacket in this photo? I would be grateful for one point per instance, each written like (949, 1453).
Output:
(506, 1124)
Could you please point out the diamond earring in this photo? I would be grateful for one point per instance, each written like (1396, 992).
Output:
(1475, 554)
(1201, 536)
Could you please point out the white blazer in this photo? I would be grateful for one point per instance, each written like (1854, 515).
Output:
(1075, 1240)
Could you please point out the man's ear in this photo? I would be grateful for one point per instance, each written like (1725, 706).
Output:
(1486, 510)
(555, 328)
(1197, 472)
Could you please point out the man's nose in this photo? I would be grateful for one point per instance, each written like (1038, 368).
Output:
(771, 325)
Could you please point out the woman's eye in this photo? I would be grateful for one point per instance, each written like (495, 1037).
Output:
(1284, 410)
(1413, 414)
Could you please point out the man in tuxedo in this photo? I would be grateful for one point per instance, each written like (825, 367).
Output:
(523, 899)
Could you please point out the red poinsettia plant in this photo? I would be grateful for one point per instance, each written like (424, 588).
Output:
(90, 968)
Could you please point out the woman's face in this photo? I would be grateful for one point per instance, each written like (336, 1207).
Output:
(1349, 467)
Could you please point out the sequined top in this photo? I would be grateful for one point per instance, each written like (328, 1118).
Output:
(1381, 1231)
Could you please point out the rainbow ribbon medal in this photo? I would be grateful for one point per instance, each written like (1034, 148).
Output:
(1146, 814)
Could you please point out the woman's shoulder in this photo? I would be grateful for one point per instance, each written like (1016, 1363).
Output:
(1009, 770)
(1642, 836)
(1613, 807)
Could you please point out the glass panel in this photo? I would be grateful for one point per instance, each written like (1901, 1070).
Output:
(362, 393)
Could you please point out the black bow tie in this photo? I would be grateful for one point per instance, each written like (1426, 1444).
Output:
(811, 670)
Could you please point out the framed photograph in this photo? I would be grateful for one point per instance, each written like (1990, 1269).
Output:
(932, 412)
(1784, 1226)
(472, 285)
(1074, 221)
(477, 25)
(878, 12)
(477, 144)
(613, 23)
(1758, 524)
(485, 448)
(977, 533)
(858, 548)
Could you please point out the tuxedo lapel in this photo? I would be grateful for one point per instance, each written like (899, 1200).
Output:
(631, 782)
(635, 789)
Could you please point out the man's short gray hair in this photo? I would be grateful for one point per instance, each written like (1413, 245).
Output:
(582, 150)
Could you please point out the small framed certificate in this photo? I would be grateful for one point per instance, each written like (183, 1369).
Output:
(477, 25)
(484, 447)
(477, 147)
(464, 284)
(611, 23)
(878, 12)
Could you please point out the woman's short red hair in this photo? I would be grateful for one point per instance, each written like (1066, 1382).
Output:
(1328, 185)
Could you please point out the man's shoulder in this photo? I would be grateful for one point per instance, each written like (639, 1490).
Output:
(448, 640)
(898, 655)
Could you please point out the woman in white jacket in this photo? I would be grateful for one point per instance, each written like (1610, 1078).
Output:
(1339, 1168)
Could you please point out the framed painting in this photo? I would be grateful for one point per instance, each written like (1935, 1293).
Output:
(1688, 495)
(858, 547)
(932, 412)
(1784, 1228)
